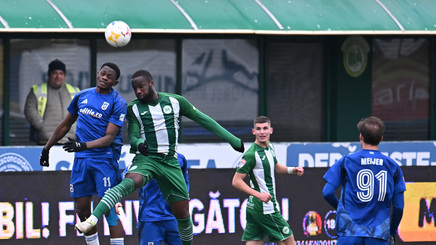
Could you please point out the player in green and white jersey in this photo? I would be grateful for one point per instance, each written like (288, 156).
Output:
(153, 132)
(262, 213)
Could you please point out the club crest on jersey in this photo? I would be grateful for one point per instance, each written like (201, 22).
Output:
(167, 109)
(285, 230)
(104, 106)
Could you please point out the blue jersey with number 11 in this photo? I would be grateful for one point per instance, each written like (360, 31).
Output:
(369, 180)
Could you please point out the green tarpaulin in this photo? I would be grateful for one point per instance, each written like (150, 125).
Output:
(223, 16)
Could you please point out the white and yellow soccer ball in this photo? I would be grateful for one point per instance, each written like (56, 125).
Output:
(118, 34)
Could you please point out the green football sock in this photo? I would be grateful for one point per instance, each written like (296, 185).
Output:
(185, 230)
(113, 196)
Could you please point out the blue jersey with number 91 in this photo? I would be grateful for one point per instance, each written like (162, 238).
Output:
(369, 180)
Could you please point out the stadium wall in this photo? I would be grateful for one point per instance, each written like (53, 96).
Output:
(36, 208)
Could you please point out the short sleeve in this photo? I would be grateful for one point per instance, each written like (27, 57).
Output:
(399, 183)
(73, 108)
(333, 175)
(247, 164)
(118, 115)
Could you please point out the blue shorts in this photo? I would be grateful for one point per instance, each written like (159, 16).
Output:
(355, 240)
(154, 232)
(90, 176)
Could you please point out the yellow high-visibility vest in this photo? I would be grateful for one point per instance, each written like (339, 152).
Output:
(41, 94)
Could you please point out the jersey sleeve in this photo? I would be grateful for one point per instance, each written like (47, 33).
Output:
(119, 111)
(134, 128)
(247, 163)
(333, 175)
(274, 155)
(73, 107)
(399, 184)
(188, 110)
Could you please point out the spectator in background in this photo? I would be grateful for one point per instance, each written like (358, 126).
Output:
(46, 104)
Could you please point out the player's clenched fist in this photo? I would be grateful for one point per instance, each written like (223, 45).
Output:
(43, 158)
(74, 146)
(143, 148)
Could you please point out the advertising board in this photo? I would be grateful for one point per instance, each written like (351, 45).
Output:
(221, 155)
(36, 207)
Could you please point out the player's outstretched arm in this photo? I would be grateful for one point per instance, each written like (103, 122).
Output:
(298, 171)
(60, 131)
(210, 124)
(282, 169)
(74, 146)
(240, 149)
(44, 158)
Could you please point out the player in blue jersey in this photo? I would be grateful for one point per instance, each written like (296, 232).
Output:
(100, 113)
(371, 183)
(156, 222)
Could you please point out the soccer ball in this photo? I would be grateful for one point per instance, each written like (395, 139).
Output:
(118, 34)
